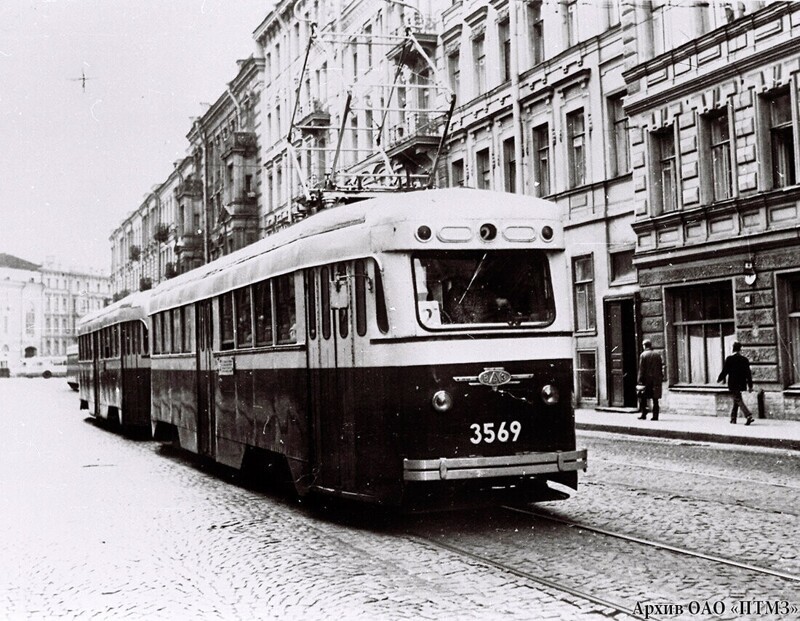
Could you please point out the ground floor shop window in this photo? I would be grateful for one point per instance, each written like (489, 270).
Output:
(703, 331)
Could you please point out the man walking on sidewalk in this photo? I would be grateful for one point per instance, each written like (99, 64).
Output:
(650, 378)
(737, 370)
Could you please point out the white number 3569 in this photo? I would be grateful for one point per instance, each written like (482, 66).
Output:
(487, 432)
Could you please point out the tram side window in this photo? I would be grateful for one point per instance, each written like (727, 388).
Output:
(114, 341)
(341, 282)
(381, 316)
(156, 332)
(188, 329)
(226, 319)
(311, 303)
(325, 302)
(263, 306)
(145, 343)
(244, 318)
(177, 334)
(285, 312)
(361, 297)
(167, 323)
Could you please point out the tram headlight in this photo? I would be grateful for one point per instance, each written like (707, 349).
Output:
(550, 394)
(442, 401)
(424, 233)
(547, 233)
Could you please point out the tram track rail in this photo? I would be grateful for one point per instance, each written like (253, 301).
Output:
(536, 579)
(658, 545)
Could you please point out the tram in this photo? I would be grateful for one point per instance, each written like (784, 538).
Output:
(114, 361)
(411, 350)
(73, 368)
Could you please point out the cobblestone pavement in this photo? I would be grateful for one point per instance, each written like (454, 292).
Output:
(94, 526)
(731, 503)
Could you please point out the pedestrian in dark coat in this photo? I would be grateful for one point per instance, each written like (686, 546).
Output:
(651, 376)
(737, 369)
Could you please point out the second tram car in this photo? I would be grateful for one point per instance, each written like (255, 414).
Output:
(411, 350)
(114, 360)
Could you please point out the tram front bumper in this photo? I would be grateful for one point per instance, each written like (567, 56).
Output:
(459, 468)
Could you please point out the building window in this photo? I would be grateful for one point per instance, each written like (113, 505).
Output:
(479, 58)
(587, 374)
(622, 266)
(583, 283)
(536, 26)
(791, 290)
(571, 22)
(484, 169)
(454, 71)
(509, 166)
(541, 162)
(576, 148)
(503, 34)
(703, 331)
(781, 139)
(718, 149)
(612, 12)
(620, 156)
(662, 26)
(457, 169)
(665, 180)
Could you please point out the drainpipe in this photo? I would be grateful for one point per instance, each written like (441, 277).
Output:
(516, 114)
(203, 154)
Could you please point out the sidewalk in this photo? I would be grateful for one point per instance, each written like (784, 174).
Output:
(768, 432)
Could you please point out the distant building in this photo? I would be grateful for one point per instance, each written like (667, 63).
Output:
(69, 293)
(21, 309)
(40, 305)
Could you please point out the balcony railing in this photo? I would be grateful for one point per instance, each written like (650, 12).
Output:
(245, 143)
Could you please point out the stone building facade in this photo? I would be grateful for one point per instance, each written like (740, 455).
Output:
(714, 140)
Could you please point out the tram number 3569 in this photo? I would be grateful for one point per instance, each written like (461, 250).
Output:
(488, 434)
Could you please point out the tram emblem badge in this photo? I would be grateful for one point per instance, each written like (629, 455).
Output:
(493, 377)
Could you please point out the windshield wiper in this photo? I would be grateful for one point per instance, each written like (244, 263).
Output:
(472, 280)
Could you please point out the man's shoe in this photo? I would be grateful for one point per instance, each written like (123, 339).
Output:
(654, 418)
(733, 422)
(643, 417)
(749, 420)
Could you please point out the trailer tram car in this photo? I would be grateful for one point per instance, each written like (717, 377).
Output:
(114, 359)
(412, 350)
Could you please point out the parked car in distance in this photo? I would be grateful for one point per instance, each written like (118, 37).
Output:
(4, 372)
(40, 366)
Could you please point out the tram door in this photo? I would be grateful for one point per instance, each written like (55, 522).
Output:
(205, 378)
(331, 361)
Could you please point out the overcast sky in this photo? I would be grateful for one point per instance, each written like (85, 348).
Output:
(75, 162)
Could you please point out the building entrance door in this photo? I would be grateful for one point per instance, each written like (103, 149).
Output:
(622, 354)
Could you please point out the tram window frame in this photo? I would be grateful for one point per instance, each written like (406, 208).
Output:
(360, 276)
(188, 329)
(311, 303)
(227, 331)
(145, 340)
(285, 299)
(114, 341)
(325, 301)
(262, 316)
(243, 315)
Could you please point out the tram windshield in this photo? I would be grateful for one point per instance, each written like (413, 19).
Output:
(468, 287)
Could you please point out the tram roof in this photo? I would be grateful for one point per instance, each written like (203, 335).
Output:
(129, 308)
(295, 247)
